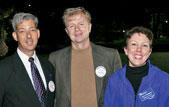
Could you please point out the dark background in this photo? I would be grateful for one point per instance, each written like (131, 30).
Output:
(110, 19)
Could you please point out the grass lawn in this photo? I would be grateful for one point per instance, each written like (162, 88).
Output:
(159, 59)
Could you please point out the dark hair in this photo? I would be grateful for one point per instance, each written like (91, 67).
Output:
(138, 29)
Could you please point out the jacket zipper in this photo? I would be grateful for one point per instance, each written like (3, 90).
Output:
(135, 101)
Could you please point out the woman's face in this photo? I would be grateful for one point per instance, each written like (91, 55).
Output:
(138, 49)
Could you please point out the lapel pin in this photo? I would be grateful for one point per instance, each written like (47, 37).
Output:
(100, 71)
(51, 86)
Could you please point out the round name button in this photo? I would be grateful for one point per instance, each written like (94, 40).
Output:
(100, 71)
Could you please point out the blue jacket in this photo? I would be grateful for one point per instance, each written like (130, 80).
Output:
(153, 91)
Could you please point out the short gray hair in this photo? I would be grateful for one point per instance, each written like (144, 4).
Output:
(20, 17)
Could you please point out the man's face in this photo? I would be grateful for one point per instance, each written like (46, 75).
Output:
(27, 36)
(78, 28)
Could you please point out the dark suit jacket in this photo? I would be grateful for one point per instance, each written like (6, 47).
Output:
(16, 89)
(102, 56)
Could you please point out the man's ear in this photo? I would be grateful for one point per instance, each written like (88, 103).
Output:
(14, 35)
(90, 27)
(38, 33)
(66, 30)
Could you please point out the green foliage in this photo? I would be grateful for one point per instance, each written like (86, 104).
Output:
(161, 60)
(5, 22)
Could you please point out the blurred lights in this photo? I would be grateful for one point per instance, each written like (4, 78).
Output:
(161, 36)
(166, 21)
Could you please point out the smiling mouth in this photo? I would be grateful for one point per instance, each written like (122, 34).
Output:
(29, 42)
(138, 56)
(78, 34)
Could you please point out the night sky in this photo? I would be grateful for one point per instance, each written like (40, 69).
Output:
(104, 12)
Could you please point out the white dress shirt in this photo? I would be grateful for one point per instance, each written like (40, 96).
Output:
(27, 65)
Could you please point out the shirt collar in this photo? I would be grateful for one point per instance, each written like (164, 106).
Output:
(24, 56)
